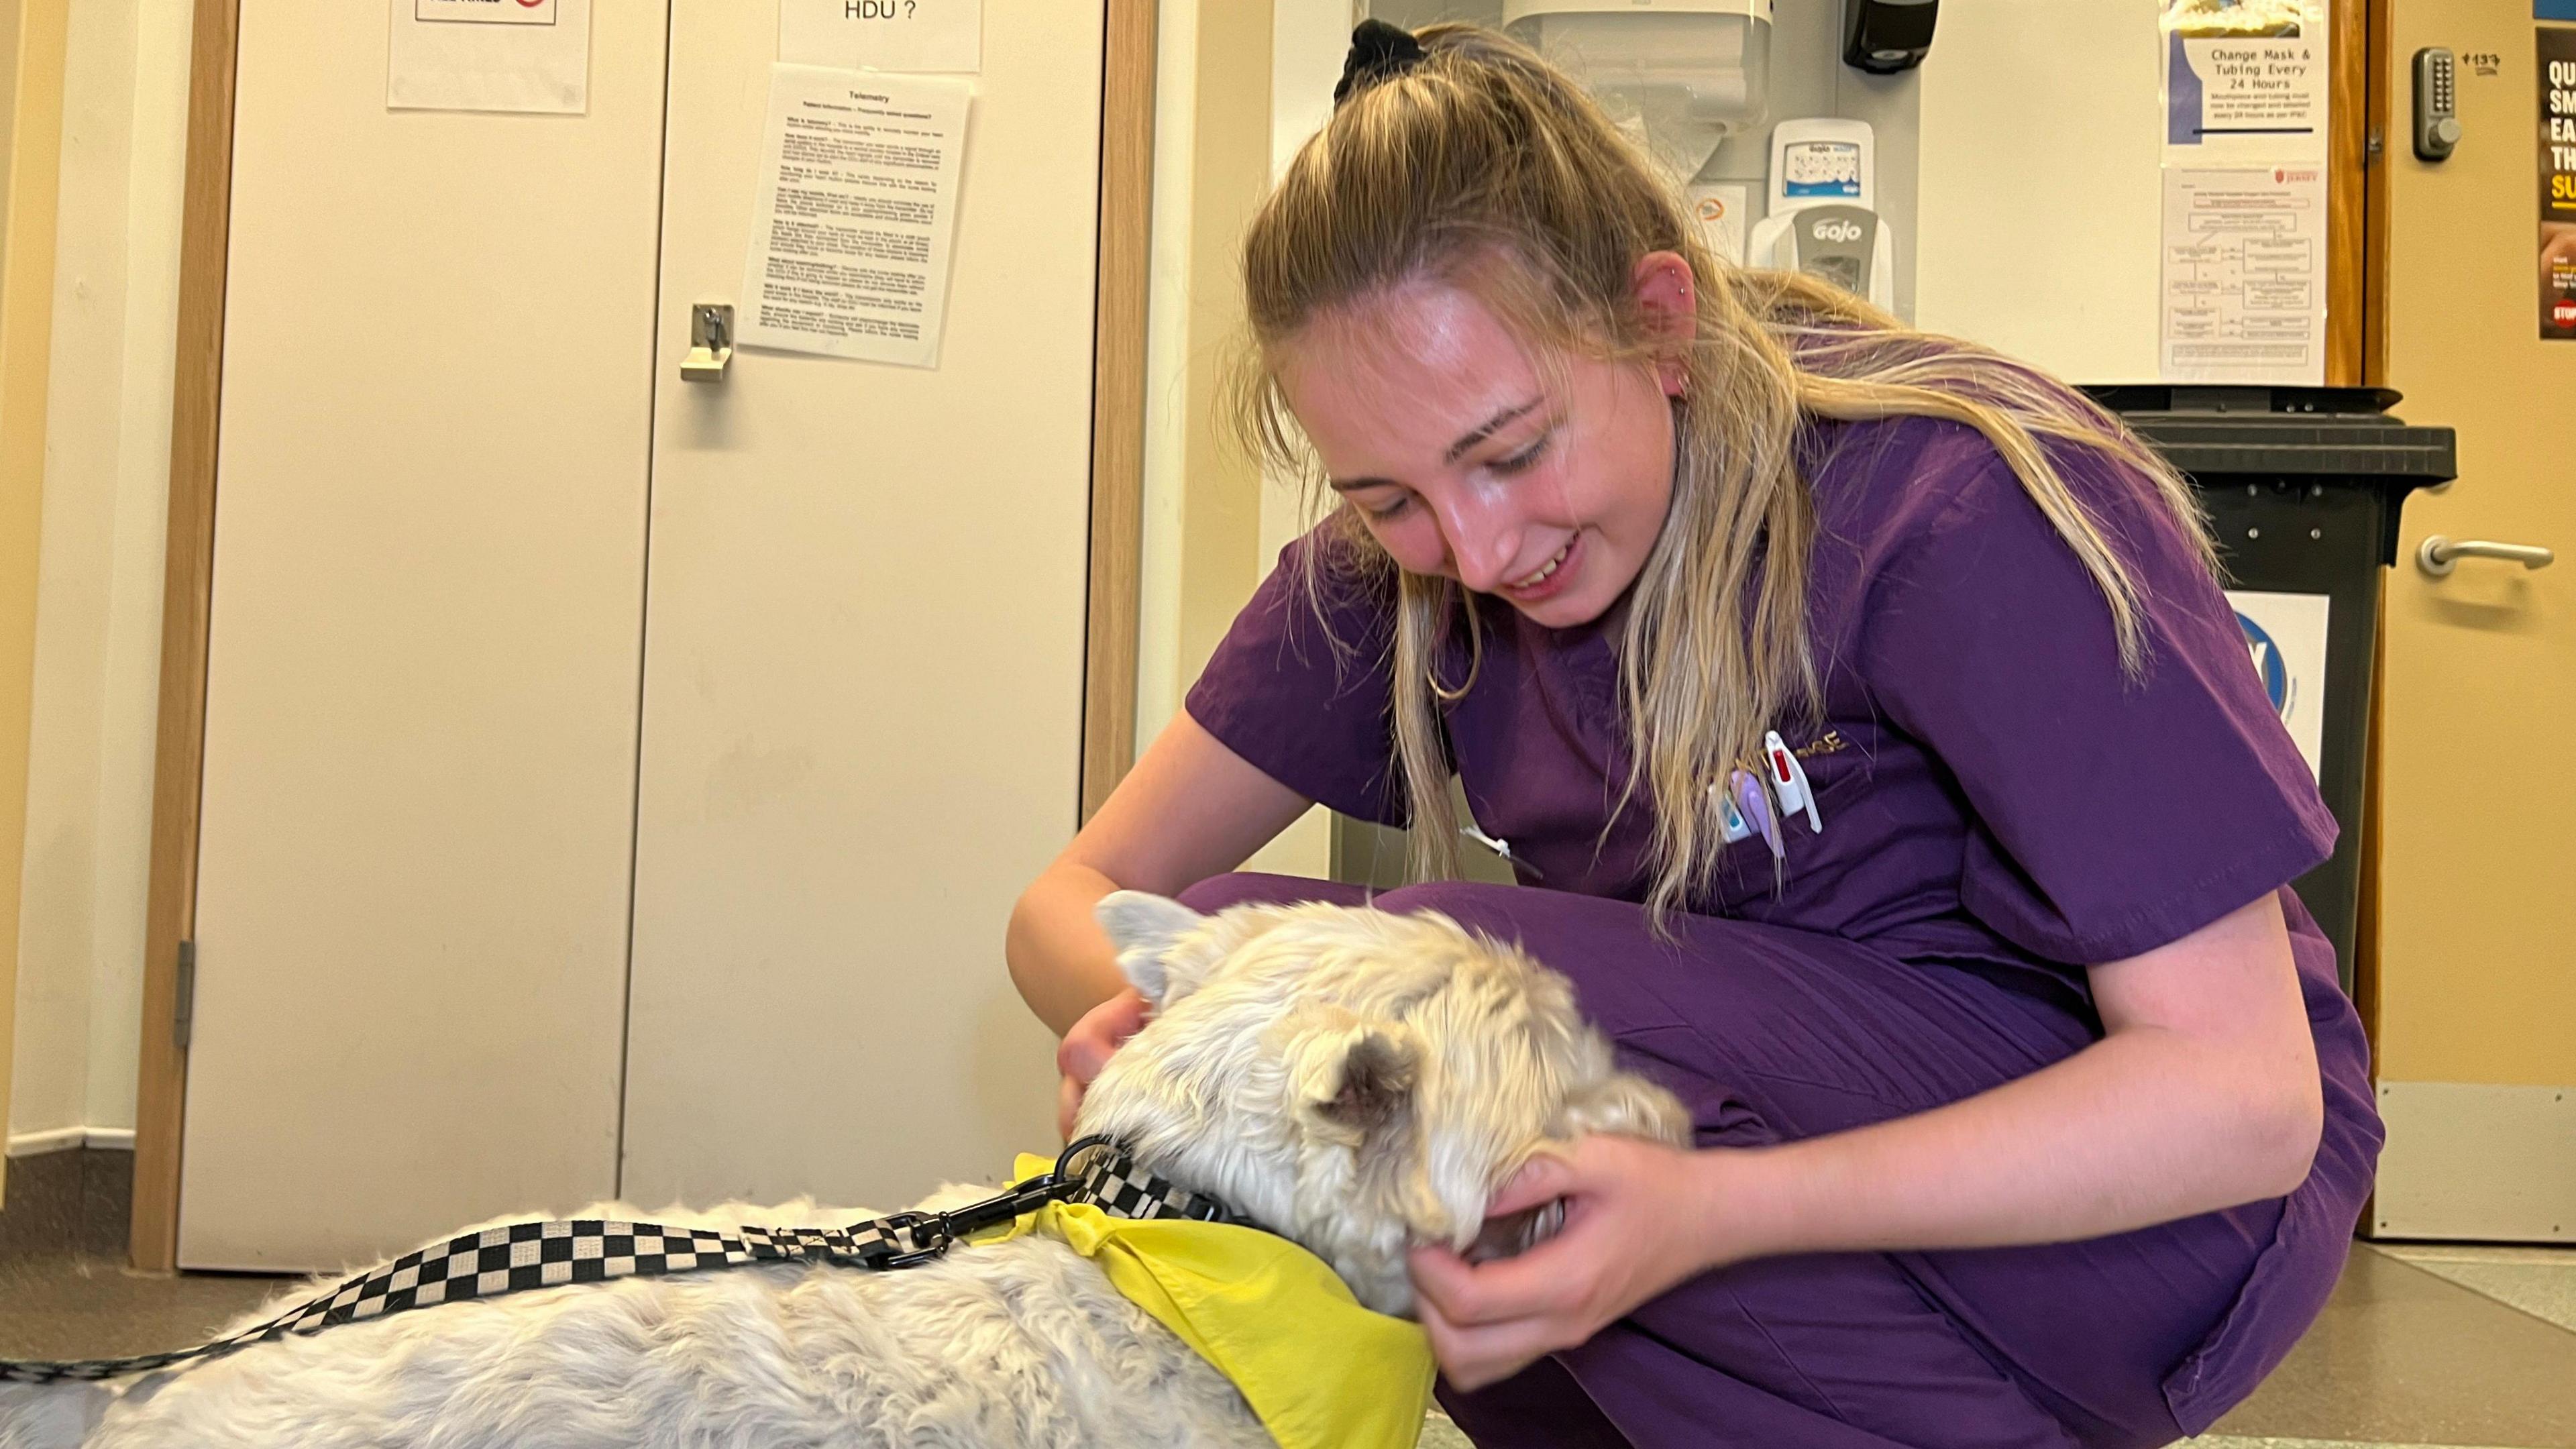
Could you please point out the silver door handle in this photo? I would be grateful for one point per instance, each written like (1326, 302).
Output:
(2440, 555)
(710, 342)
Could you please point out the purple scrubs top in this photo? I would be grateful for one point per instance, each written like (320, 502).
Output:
(1994, 790)
(1999, 800)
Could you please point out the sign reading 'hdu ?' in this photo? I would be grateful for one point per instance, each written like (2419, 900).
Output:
(486, 12)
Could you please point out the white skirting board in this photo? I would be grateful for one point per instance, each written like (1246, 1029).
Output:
(2467, 1161)
(63, 1139)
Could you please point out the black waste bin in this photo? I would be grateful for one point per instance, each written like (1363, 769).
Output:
(2303, 487)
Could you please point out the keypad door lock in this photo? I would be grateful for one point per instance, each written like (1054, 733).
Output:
(2437, 104)
(710, 343)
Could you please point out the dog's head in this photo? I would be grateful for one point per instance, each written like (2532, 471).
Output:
(1359, 1080)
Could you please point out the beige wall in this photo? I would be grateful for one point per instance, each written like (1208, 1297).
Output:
(31, 39)
(90, 753)
(95, 566)
(1308, 41)
(1211, 526)
(1202, 499)
(2042, 239)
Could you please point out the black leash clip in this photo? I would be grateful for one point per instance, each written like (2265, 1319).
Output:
(933, 1234)
(992, 1212)
(928, 1231)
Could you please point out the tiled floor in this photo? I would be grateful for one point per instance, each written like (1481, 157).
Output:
(68, 1308)
(2423, 1347)
(2431, 1346)
(64, 1292)
(2539, 1281)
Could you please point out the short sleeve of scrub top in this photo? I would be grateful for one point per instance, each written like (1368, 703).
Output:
(1302, 693)
(2115, 811)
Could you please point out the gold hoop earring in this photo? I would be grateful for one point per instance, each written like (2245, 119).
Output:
(1475, 662)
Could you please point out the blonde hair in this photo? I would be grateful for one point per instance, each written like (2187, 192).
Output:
(1483, 167)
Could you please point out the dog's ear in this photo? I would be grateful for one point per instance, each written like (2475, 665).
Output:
(1360, 1079)
(1144, 929)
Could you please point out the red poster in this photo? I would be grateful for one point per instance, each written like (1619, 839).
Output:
(2558, 182)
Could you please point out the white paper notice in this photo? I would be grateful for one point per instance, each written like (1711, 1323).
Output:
(2286, 635)
(940, 35)
(858, 198)
(489, 55)
(2244, 276)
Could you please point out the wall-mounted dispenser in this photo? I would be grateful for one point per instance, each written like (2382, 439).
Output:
(1688, 72)
(1887, 36)
(1822, 209)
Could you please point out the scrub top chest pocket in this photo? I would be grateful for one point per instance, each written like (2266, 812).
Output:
(1810, 884)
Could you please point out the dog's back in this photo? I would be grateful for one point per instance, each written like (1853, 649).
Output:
(1011, 1344)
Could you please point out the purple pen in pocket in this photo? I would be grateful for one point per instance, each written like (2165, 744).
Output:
(1755, 802)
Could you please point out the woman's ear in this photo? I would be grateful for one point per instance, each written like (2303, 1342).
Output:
(1668, 298)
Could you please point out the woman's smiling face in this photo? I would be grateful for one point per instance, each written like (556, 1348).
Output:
(1545, 486)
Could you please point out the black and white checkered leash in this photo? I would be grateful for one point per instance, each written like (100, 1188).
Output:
(524, 1256)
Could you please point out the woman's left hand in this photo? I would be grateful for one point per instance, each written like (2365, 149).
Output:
(1639, 1218)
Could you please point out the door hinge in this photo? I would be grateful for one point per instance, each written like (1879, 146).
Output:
(2376, 145)
(183, 1011)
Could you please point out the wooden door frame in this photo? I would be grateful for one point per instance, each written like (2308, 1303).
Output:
(179, 738)
(1117, 499)
(2350, 163)
(2375, 112)
(2370, 259)
(1118, 399)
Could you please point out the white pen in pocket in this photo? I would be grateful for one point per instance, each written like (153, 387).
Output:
(1789, 782)
(1502, 850)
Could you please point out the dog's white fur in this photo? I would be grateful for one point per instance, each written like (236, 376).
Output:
(1358, 1080)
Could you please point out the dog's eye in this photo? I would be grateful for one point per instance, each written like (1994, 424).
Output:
(1512, 1234)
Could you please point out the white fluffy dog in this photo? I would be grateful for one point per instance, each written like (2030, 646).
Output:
(1357, 1080)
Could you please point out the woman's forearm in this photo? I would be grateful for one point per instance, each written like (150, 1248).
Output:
(1189, 809)
(1059, 959)
(2202, 1094)
(2143, 1127)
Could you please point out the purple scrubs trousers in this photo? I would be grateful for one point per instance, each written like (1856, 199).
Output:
(1771, 1036)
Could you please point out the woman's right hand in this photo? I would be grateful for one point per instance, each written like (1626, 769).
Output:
(1087, 1048)
(1190, 809)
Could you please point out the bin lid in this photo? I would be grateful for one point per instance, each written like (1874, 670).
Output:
(2323, 433)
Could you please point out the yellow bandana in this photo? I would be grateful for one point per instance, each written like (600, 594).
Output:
(1321, 1371)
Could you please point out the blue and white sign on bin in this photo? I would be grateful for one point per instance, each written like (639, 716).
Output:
(2286, 636)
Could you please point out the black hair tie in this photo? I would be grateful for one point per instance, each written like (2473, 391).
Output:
(1378, 50)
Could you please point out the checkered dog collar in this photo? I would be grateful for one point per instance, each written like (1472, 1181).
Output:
(524, 1256)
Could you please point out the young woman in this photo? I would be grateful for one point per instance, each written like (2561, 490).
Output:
(2028, 1110)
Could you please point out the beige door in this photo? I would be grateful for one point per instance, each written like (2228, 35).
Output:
(428, 602)
(853, 651)
(2477, 990)
(863, 663)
